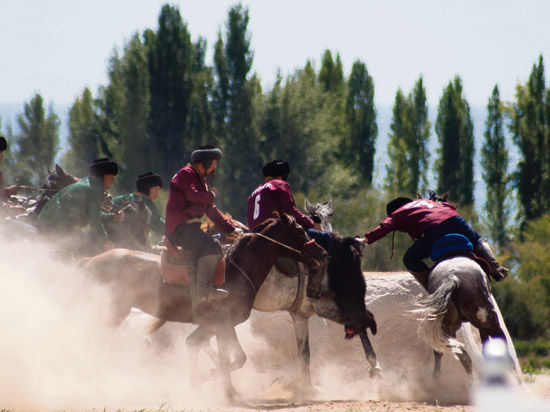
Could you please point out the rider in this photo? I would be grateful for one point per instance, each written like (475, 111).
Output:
(148, 186)
(80, 204)
(426, 221)
(190, 198)
(275, 195)
(5, 192)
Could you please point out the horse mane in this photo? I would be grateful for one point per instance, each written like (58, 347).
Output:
(245, 240)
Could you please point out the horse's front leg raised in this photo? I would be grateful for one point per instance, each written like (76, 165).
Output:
(301, 329)
(375, 369)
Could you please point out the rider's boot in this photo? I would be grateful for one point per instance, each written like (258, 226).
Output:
(483, 250)
(206, 291)
(422, 277)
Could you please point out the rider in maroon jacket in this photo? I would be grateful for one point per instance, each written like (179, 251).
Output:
(189, 200)
(274, 195)
(426, 221)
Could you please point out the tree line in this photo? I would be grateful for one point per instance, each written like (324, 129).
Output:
(163, 99)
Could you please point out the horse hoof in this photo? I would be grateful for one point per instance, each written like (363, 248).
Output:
(375, 373)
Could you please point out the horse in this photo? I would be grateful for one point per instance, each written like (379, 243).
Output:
(459, 291)
(320, 213)
(134, 280)
(346, 306)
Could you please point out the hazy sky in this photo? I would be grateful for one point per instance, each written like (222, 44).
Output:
(58, 47)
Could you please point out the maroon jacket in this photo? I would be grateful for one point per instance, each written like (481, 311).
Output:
(272, 196)
(414, 218)
(189, 198)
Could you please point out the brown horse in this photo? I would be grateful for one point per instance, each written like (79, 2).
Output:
(134, 279)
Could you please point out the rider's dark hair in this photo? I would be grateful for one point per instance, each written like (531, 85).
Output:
(396, 204)
(3, 143)
(205, 154)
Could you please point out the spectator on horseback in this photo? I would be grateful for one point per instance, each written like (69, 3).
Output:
(148, 186)
(426, 221)
(80, 204)
(274, 195)
(5, 192)
(189, 199)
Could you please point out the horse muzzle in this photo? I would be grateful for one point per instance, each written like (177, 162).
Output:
(314, 252)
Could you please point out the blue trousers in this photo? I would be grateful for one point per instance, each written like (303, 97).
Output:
(324, 239)
(422, 247)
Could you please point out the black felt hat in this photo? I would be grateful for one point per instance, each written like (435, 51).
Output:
(146, 181)
(276, 168)
(103, 166)
(396, 204)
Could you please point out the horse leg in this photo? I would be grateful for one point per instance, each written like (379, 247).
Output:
(227, 340)
(301, 330)
(375, 370)
(195, 341)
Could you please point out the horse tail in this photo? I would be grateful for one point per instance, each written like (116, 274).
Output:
(432, 311)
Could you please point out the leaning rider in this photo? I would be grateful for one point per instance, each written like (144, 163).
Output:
(274, 195)
(148, 186)
(80, 204)
(190, 198)
(426, 221)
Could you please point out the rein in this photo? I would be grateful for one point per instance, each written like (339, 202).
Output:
(230, 260)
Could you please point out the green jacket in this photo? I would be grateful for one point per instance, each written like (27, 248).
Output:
(156, 223)
(76, 206)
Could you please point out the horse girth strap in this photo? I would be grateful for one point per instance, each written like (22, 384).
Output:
(240, 269)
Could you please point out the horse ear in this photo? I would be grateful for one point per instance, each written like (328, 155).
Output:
(58, 170)
(329, 205)
(307, 206)
(446, 196)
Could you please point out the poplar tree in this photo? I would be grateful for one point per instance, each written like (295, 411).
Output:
(170, 58)
(83, 135)
(494, 160)
(420, 135)
(38, 140)
(359, 145)
(397, 173)
(455, 131)
(331, 74)
(530, 127)
(241, 163)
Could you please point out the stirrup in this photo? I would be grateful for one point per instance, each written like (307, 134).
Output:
(216, 294)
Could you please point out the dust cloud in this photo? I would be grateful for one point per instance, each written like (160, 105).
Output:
(58, 354)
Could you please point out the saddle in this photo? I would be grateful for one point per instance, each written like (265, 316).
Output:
(176, 265)
(455, 244)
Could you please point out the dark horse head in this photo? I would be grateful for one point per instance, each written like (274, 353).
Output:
(347, 282)
(57, 180)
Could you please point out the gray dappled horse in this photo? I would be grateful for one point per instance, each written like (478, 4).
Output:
(320, 213)
(459, 291)
(344, 276)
